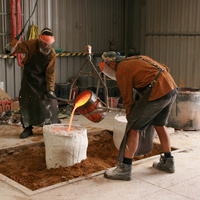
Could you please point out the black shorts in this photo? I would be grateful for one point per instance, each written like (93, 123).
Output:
(155, 112)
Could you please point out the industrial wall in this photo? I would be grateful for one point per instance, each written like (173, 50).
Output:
(169, 31)
(166, 30)
(75, 24)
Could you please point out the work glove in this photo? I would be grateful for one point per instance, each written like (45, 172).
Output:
(50, 95)
(10, 47)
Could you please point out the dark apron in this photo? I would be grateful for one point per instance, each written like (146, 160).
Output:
(145, 140)
(35, 110)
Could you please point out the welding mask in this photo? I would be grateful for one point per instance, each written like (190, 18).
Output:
(108, 68)
(45, 44)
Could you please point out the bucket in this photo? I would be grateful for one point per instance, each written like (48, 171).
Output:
(185, 112)
(62, 90)
(113, 102)
(62, 148)
(145, 145)
(2, 86)
(119, 130)
(90, 106)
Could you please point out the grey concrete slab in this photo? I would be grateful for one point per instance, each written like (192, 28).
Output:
(189, 188)
(184, 171)
(165, 195)
(99, 188)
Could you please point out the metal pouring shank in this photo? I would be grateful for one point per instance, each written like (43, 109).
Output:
(65, 100)
(105, 109)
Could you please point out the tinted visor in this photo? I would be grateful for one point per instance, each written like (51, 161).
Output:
(45, 47)
(107, 70)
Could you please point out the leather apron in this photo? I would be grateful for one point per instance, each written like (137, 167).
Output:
(35, 110)
(145, 143)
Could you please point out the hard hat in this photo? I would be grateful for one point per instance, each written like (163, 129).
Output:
(112, 56)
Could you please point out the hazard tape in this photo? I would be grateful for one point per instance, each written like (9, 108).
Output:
(58, 54)
(71, 54)
(6, 56)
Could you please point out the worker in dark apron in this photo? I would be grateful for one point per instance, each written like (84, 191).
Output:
(156, 91)
(37, 104)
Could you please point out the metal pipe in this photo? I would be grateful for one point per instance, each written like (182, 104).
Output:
(64, 100)
(106, 89)
(48, 14)
(173, 34)
(126, 26)
(72, 84)
(112, 109)
(2, 23)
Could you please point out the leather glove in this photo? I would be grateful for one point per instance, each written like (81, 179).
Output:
(50, 95)
(10, 47)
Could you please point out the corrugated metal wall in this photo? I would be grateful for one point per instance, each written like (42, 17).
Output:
(172, 36)
(75, 23)
(167, 31)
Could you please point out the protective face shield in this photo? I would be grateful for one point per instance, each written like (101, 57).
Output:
(107, 69)
(45, 43)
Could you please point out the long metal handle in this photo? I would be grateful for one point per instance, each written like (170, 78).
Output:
(64, 100)
(110, 109)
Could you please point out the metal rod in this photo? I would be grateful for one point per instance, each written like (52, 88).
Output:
(173, 34)
(98, 84)
(64, 100)
(111, 109)
(106, 89)
(72, 84)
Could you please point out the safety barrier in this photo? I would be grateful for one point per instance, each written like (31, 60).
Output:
(5, 56)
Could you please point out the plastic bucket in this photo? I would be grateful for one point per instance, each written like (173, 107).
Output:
(113, 102)
(185, 110)
(145, 138)
(90, 106)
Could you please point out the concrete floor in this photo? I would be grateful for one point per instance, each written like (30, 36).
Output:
(147, 183)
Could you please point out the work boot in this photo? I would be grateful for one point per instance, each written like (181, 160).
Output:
(26, 132)
(165, 164)
(121, 172)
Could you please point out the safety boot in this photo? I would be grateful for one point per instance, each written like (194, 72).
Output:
(26, 132)
(165, 164)
(121, 172)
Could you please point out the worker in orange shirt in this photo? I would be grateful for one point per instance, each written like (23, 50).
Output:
(157, 91)
(37, 104)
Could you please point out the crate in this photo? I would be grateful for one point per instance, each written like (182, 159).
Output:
(5, 106)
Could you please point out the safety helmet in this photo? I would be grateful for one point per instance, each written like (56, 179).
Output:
(112, 56)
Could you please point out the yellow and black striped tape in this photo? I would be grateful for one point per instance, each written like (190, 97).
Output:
(58, 54)
(6, 56)
(71, 54)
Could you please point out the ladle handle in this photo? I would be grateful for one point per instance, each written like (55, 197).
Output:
(111, 109)
(64, 100)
